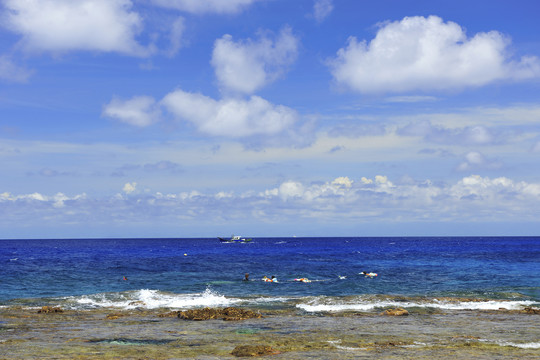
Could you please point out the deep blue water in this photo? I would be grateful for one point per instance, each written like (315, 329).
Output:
(494, 267)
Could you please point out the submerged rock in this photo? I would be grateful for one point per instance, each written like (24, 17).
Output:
(395, 312)
(49, 309)
(114, 316)
(170, 314)
(253, 350)
(227, 314)
(531, 310)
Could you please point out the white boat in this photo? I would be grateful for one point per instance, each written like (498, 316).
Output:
(234, 239)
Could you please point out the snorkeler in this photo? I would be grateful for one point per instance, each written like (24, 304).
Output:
(370, 275)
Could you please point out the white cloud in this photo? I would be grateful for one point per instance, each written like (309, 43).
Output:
(475, 160)
(139, 111)
(230, 117)
(322, 8)
(290, 189)
(129, 187)
(248, 65)
(65, 25)
(9, 71)
(339, 201)
(57, 200)
(420, 53)
(206, 6)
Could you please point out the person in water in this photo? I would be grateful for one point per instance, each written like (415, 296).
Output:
(246, 277)
(125, 278)
(371, 274)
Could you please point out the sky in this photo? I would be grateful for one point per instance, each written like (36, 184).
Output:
(204, 118)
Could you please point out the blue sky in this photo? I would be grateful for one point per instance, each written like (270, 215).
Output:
(188, 118)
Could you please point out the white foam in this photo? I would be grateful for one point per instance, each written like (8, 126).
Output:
(336, 344)
(531, 345)
(534, 345)
(362, 304)
(153, 299)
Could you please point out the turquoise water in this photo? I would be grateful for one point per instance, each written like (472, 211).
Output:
(185, 273)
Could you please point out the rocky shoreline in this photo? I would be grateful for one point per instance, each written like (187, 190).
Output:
(229, 333)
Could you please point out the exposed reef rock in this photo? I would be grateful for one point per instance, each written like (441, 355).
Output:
(395, 312)
(227, 314)
(49, 309)
(253, 350)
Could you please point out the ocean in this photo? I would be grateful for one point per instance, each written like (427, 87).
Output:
(421, 274)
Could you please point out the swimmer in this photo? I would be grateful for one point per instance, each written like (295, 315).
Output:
(370, 275)
(125, 278)
(342, 277)
(273, 279)
(306, 280)
(246, 277)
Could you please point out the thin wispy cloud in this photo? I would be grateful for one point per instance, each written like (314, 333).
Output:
(206, 6)
(322, 9)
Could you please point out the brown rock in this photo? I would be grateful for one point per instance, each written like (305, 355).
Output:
(395, 312)
(49, 309)
(253, 350)
(227, 314)
(113, 316)
(170, 314)
(531, 310)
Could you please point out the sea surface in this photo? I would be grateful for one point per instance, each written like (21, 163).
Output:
(467, 298)
(412, 272)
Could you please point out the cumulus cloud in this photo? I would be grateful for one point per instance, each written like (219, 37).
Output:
(290, 189)
(322, 8)
(56, 201)
(206, 6)
(246, 66)
(139, 111)
(229, 117)
(129, 187)
(419, 53)
(342, 200)
(65, 25)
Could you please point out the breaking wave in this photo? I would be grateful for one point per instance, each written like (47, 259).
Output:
(150, 299)
(328, 304)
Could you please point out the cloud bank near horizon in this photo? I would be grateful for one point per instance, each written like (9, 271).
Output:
(472, 198)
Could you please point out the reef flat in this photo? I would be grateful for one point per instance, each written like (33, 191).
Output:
(287, 334)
